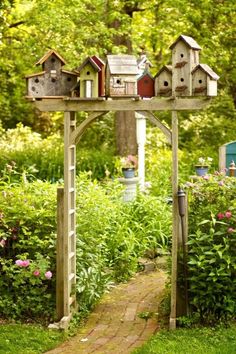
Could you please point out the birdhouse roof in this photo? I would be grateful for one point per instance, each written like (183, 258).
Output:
(122, 64)
(143, 60)
(146, 72)
(98, 61)
(189, 41)
(90, 61)
(47, 55)
(35, 74)
(207, 70)
(167, 68)
(70, 72)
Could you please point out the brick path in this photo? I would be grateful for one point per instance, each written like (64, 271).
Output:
(115, 325)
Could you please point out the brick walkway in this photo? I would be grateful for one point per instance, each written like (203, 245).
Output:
(116, 326)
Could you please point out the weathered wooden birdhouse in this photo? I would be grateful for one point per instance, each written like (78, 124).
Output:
(185, 56)
(121, 75)
(89, 77)
(53, 80)
(146, 85)
(204, 81)
(163, 81)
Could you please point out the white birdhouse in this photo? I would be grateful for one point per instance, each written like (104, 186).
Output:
(204, 81)
(185, 56)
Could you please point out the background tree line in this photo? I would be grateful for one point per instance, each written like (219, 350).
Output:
(78, 28)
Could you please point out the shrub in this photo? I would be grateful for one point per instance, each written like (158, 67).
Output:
(27, 240)
(212, 247)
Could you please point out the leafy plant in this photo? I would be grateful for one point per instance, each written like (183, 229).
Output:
(212, 248)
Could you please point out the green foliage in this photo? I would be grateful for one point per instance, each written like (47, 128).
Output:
(24, 151)
(158, 163)
(212, 248)
(27, 232)
(191, 341)
(112, 235)
(115, 234)
(27, 339)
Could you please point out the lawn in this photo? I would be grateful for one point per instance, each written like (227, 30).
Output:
(27, 339)
(192, 341)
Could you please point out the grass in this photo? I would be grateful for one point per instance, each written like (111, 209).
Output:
(218, 340)
(27, 339)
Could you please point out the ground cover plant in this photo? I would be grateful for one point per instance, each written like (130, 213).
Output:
(192, 341)
(27, 339)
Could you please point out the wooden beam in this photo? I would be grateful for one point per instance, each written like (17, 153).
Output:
(77, 134)
(175, 218)
(129, 104)
(60, 254)
(166, 131)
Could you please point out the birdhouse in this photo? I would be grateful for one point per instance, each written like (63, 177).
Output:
(53, 80)
(144, 64)
(121, 75)
(185, 56)
(92, 77)
(101, 75)
(89, 80)
(163, 81)
(204, 81)
(146, 85)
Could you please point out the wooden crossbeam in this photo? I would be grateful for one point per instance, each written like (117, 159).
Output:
(153, 119)
(77, 134)
(154, 104)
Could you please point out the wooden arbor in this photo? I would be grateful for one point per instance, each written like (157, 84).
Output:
(66, 256)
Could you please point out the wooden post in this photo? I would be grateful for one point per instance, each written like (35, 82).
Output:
(69, 216)
(59, 257)
(175, 218)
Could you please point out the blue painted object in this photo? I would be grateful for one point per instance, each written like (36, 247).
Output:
(128, 172)
(227, 155)
(201, 170)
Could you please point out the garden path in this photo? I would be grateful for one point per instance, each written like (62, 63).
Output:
(117, 325)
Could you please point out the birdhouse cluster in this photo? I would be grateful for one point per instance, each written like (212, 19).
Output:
(125, 76)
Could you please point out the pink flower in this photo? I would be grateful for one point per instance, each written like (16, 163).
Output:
(220, 216)
(228, 214)
(21, 263)
(3, 243)
(231, 230)
(221, 183)
(206, 177)
(36, 273)
(25, 263)
(48, 274)
(18, 262)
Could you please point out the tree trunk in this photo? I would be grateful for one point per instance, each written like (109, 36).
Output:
(125, 126)
(125, 123)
